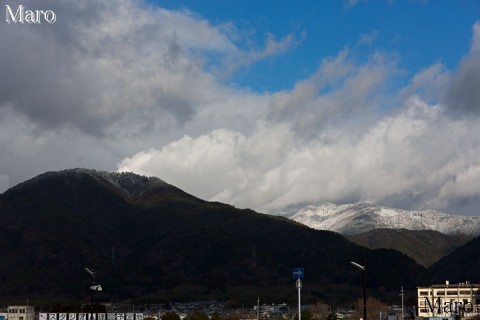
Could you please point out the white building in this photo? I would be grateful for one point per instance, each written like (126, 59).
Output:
(449, 300)
(21, 313)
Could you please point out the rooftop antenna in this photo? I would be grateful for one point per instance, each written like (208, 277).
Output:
(93, 287)
(92, 273)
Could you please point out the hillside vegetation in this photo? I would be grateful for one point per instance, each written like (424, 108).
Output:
(425, 246)
(147, 239)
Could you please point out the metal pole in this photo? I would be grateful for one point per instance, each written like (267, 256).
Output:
(299, 287)
(402, 294)
(364, 294)
(258, 308)
(363, 268)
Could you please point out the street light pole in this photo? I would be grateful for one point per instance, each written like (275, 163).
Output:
(402, 294)
(356, 265)
(299, 287)
(258, 308)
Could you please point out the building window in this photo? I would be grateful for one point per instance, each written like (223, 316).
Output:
(464, 291)
(424, 293)
(440, 293)
(451, 293)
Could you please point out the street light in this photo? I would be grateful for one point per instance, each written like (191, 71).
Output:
(356, 265)
(299, 287)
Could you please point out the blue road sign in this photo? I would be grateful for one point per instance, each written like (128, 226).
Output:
(298, 273)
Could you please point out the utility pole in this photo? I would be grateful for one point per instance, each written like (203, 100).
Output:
(299, 287)
(402, 294)
(258, 308)
(364, 271)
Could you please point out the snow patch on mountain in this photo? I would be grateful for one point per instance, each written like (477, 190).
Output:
(361, 217)
(128, 182)
(131, 182)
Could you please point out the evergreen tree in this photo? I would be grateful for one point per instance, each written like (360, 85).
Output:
(170, 316)
(197, 315)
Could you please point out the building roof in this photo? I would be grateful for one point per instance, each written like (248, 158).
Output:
(451, 285)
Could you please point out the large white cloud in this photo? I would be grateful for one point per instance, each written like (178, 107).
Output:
(416, 158)
(328, 139)
(139, 86)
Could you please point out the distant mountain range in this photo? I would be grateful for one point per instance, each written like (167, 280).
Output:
(353, 219)
(425, 246)
(149, 240)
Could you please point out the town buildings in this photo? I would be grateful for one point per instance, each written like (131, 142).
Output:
(449, 300)
(21, 313)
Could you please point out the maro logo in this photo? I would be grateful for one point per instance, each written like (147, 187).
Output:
(23, 15)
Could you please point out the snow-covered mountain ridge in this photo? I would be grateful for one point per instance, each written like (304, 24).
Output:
(126, 182)
(361, 217)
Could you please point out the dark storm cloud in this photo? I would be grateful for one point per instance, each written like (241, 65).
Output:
(463, 95)
(99, 61)
(39, 79)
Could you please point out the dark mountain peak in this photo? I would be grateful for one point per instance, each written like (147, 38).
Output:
(461, 265)
(126, 182)
(86, 185)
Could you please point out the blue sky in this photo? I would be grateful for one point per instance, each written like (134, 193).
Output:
(419, 32)
(269, 105)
